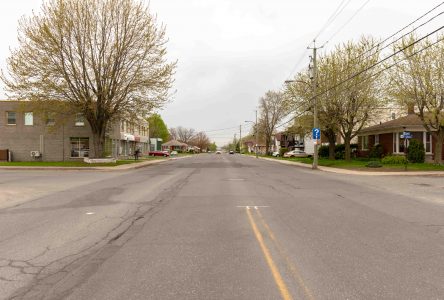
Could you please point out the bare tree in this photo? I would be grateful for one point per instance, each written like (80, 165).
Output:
(200, 140)
(105, 58)
(418, 79)
(273, 107)
(182, 134)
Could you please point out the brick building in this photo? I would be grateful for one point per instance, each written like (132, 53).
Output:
(388, 134)
(31, 138)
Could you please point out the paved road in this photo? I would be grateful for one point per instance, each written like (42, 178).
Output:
(220, 227)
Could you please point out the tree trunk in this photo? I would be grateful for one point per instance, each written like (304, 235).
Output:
(437, 157)
(98, 142)
(267, 146)
(347, 140)
(331, 136)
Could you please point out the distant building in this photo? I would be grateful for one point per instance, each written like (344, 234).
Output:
(29, 138)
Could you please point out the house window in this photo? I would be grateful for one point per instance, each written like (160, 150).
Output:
(376, 139)
(428, 142)
(11, 117)
(403, 144)
(79, 147)
(80, 120)
(50, 119)
(365, 142)
(29, 119)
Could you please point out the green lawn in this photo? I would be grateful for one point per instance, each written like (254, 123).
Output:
(74, 163)
(360, 164)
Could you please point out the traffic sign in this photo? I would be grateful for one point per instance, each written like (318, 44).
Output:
(316, 133)
(406, 135)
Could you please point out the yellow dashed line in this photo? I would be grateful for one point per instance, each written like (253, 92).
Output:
(288, 261)
(274, 270)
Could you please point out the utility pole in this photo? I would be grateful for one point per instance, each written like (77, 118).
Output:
(257, 133)
(240, 139)
(315, 103)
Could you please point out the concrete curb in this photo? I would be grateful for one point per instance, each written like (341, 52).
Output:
(126, 167)
(354, 172)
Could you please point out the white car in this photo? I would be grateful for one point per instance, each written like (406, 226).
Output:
(295, 153)
(218, 152)
(173, 153)
(275, 154)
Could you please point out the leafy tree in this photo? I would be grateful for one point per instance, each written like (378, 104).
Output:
(418, 79)
(157, 127)
(415, 151)
(273, 107)
(348, 94)
(212, 147)
(105, 58)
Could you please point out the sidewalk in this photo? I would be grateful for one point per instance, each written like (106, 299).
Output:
(126, 167)
(355, 172)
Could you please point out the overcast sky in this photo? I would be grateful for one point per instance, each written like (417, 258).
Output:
(230, 52)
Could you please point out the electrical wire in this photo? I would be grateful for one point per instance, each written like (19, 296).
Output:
(377, 63)
(402, 29)
(332, 17)
(346, 23)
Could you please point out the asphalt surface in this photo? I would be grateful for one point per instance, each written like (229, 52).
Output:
(220, 227)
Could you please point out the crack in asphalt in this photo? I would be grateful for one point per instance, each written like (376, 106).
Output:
(49, 275)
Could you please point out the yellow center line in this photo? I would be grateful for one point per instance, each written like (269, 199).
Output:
(274, 270)
(290, 264)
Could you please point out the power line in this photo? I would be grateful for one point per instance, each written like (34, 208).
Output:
(402, 29)
(332, 17)
(377, 63)
(396, 63)
(347, 22)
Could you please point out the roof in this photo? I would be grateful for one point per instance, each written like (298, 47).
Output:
(411, 120)
(174, 143)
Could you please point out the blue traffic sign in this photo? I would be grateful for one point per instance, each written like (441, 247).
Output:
(406, 135)
(316, 133)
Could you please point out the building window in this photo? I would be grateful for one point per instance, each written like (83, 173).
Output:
(11, 117)
(428, 142)
(80, 120)
(29, 119)
(50, 119)
(79, 147)
(403, 143)
(365, 142)
(376, 139)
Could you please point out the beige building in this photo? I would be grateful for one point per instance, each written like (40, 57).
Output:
(31, 138)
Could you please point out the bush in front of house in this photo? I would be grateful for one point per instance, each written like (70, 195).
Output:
(394, 160)
(415, 151)
(376, 151)
(323, 151)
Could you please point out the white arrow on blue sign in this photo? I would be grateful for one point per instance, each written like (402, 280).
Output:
(316, 133)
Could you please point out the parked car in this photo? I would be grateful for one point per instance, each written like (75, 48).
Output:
(275, 154)
(173, 153)
(218, 152)
(159, 153)
(231, 152)
(295, 153)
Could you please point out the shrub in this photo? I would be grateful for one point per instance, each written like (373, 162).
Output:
(376, 151)
(415, 151)
(323, 151)
(373, 164)
(282, 151)
(394, 160)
